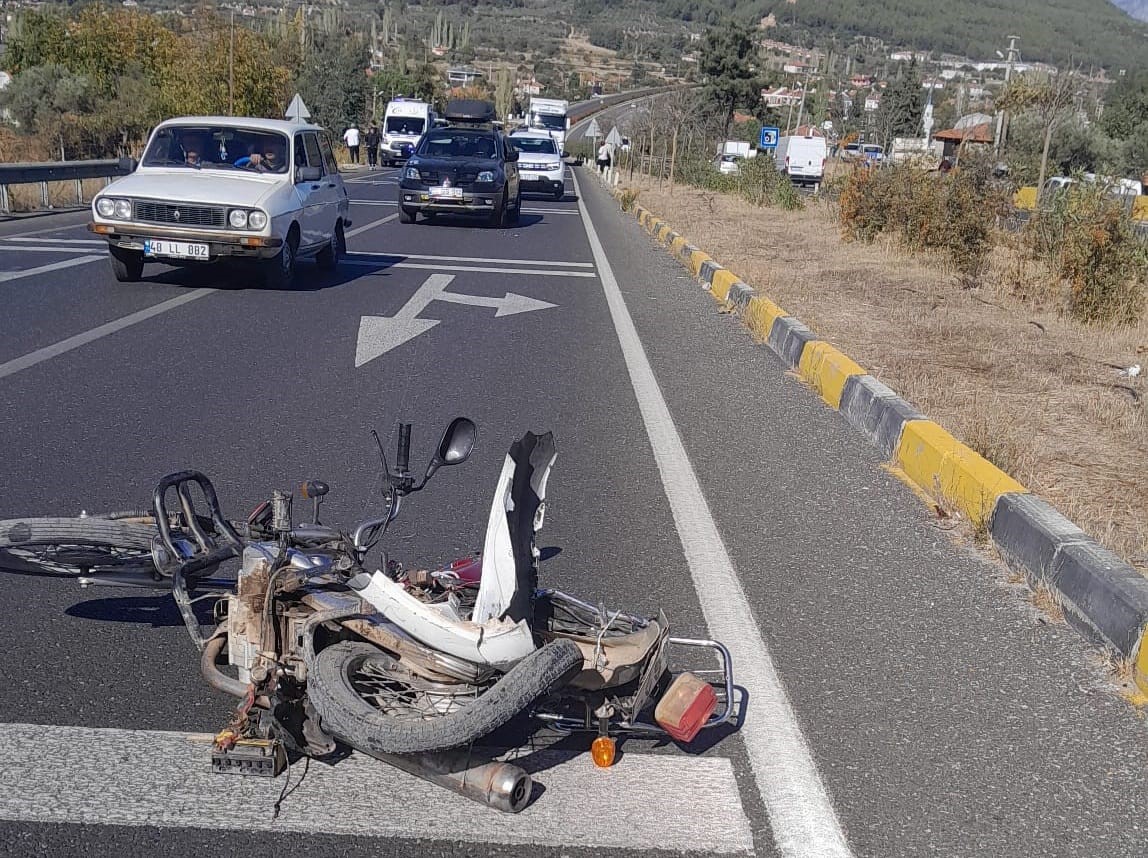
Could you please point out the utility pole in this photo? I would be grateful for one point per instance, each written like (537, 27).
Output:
(998, 139)
(231, 69)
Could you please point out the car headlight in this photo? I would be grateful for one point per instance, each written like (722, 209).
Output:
(106, 207)
(257, 220)
(123, 209)
(485, 176)
(411, 173)
(237, 218)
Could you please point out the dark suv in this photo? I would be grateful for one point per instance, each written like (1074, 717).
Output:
(468, 167)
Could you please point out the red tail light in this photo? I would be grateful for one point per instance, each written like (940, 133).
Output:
(685, 707)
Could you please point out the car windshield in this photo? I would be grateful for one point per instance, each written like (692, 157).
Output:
(535, 145)
(729, 159)
(217, 147)
(549, 121)
(454, 143)
(409, 125)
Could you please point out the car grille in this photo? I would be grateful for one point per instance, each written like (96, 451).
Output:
(538, 166)
(181, 213)
(457, 177)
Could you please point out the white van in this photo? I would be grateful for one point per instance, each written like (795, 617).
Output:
(404, 122)
(802, 158)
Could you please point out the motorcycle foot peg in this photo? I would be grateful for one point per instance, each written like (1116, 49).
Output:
(261, 758)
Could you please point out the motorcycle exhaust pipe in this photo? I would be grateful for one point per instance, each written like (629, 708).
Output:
(502, 786)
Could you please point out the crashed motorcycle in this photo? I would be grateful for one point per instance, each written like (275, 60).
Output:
(414, 666)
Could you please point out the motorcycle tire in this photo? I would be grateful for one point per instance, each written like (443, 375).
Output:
(67, 547)
(473, 713)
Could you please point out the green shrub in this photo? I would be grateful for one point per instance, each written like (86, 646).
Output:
(1089, 237)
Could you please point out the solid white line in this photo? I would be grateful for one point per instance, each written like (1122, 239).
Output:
(478, 259)
(801, 815)
(40, 248)
(40, 355)
(6, 276)
(540, 272)
(99, 242)
(371, 225)
(163, 779)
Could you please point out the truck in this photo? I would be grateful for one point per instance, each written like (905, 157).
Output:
(918, 151)
(404, 122)
(740, 148)
(802, 158)
(550, 115)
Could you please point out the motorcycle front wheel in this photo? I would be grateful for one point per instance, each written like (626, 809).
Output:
(68, 547)
(372, 702)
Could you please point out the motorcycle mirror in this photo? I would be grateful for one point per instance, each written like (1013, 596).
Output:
(455, 447)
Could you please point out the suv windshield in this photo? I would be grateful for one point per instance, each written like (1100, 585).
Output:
(534, 145)
(410, 125)
(456, 143)
(218, 147)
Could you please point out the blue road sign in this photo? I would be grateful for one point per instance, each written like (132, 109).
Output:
(769, 135)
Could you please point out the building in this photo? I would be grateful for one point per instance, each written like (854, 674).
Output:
(463, 77)
(783, 96)
(872, 102)
(793, 67)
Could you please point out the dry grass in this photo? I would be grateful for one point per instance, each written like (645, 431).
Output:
(1000, 366)
(24, 198)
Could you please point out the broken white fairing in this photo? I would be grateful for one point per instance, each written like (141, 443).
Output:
(488, 637)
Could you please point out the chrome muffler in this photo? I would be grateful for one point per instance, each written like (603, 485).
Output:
(502, 786)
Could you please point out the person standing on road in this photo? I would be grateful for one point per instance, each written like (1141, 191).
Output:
(603, 159)
(351, 138)
(372, 143)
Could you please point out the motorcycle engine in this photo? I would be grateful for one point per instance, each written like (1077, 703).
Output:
(245, 609)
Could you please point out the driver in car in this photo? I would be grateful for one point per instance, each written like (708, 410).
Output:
(270, 160)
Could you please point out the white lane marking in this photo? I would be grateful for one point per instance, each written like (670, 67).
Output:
(371, 225)
(537, 272)
(163, 779)
(40, 355)
(525, 210)
(46, 229)
(99, 242)
(801, 815)
(478, 259)
(379, 334)
(6, 276)
(41, 248)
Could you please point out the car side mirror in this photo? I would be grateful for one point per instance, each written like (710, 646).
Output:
(455, 447)
(512, 155)
(308, 174)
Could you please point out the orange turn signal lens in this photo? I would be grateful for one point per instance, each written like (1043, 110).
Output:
(603, 750)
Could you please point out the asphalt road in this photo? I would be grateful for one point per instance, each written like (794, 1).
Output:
(902, 695)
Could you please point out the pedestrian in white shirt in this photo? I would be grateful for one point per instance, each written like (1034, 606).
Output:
(351, 138)
(603, 159)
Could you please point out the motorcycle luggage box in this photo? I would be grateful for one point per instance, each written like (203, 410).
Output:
(685, 707)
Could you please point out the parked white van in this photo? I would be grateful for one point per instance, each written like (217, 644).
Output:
(802, 158)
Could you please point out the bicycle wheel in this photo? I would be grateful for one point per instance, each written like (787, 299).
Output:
(68, 547)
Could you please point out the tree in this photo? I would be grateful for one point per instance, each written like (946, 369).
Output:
(333, 81)
(49, 100)
(725, 61)
(901, 107)
(503, 92)
(1049, 96)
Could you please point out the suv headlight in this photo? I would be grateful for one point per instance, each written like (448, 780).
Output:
(411, 173)
(485, 176)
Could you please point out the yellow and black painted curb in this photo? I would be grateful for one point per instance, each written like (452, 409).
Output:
(1102, 596)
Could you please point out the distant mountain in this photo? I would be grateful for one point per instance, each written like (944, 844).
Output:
(1135, 8)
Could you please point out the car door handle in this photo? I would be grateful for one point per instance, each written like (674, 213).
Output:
(331, 185)
(316, 187)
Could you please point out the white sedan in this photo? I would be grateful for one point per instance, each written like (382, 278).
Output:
(215, 188)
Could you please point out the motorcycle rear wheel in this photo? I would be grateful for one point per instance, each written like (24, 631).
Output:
(367, 699)
(69, 547)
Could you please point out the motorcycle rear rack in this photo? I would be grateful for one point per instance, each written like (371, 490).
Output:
(638, 728)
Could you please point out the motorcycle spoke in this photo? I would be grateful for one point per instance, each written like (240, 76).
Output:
(400, 694)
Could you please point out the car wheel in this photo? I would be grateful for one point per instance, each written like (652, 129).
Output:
(279, 271)
(407, 215)
(511, 216)
(127, 265)
(328, 258)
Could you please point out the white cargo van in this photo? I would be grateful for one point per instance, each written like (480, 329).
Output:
(802, 158)
(404, 122)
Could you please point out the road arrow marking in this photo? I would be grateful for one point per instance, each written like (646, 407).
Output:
(379, 334)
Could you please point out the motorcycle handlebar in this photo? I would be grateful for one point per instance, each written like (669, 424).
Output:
(404, 452)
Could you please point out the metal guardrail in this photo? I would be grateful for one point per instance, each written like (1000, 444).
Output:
(58, 171)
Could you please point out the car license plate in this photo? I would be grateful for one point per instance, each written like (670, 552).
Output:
(453, 193)
(178, 249)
